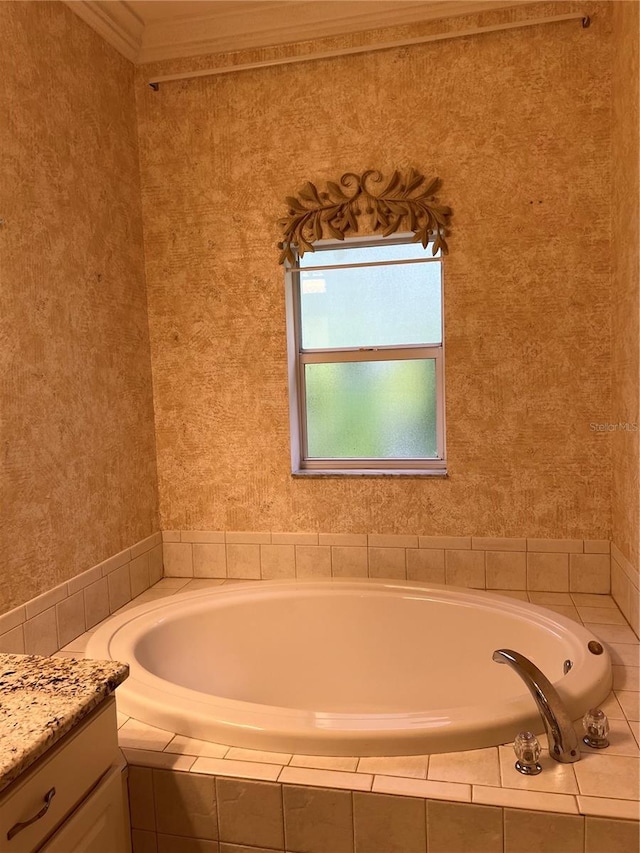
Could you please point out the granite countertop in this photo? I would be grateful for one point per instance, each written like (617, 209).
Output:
(41, 699)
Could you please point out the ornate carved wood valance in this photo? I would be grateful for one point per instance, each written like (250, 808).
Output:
(404, 201)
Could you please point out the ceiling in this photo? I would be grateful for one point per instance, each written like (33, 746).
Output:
(153, 30)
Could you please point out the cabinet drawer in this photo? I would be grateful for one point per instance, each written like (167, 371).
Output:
(72, 767)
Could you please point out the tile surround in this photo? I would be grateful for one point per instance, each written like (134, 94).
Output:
(400, 821)
(452, 791)
(551, 565)
(625, 587)
(250, 812)
(535, 832)
(453, 827)
(54, 619)
(318, 819)
(409, 766)
(349, 561)
(312, 819)
(185, 804)
(473, 787)
(506, 569)
(455, 798)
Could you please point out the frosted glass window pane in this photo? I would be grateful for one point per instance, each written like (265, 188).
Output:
(371, 306)
(372, 409)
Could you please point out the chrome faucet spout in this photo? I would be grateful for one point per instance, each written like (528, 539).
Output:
(563, 741)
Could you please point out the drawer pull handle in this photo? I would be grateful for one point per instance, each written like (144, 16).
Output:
(18, 827)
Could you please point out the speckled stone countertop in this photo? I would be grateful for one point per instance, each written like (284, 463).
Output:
(41, 699)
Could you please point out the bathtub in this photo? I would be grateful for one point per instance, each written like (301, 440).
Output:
(345, 667)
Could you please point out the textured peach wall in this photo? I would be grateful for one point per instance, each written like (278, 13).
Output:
(625, 261)
(517, 125)
(78, 479)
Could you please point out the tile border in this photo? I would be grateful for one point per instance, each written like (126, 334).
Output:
(419, 809)
(590, 566)
(51, 620)
(481, 562)
(625, 587)
(116, 579)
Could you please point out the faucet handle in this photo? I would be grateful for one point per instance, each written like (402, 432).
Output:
(596, 726)
(527, 750)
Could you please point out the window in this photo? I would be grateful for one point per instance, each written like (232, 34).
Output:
(366, 358)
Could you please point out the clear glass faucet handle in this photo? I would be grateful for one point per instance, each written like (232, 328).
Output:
(527, 750)
(596, 727)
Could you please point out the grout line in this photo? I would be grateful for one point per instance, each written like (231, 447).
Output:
(284, 822)
(353, 820)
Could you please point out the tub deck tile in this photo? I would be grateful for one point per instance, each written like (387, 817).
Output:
(545, 599)
(238, 769)
(624, 654)
(326, 778)
(136, 735)
(612, 776)
(79, 644)
(162, 760)
(191, 746)
(612, 708)
(533, 800)
(238, 754)
(474, 766)
(408, 766)
(591, 599)
(519, 594)
(626, 677)
(171, 583)
(603, 807)
(326, 762)
(630, 702)
(567, 610)
(601, 616)
(452, 791)
(613, 633)
(555, 778)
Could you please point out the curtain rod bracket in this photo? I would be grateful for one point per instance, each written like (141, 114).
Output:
(586, 22)
(156, 86)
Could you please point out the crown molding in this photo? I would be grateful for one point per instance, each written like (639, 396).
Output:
(255, 24)
(115, 21)
(280, 23)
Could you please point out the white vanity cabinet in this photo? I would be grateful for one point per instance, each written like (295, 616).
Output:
(72, 799)
(98, 825)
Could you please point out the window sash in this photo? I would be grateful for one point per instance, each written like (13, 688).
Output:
(397, 263)
(391, 354)
(386, 353)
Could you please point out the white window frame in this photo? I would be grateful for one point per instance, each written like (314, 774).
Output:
(299, 357)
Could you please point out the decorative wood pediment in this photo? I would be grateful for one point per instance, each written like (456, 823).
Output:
(406, 202)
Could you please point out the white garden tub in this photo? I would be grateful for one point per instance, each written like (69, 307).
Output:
(353, 667)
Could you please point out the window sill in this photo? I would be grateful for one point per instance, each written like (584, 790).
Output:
(373, 472)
